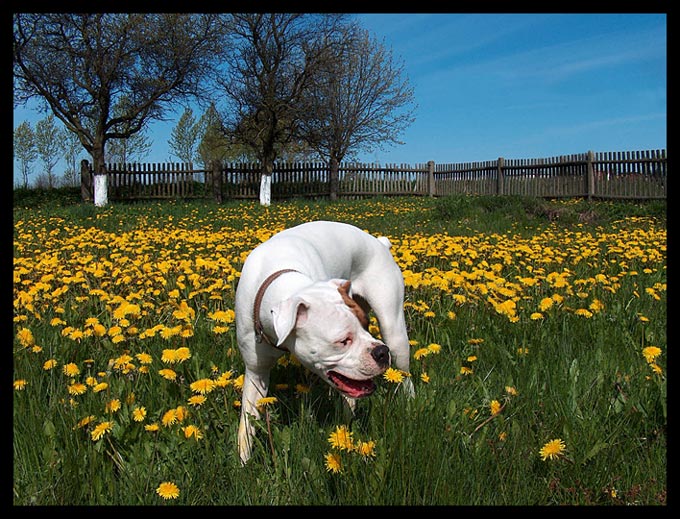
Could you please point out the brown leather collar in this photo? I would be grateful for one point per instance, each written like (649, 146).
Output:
(259, 329)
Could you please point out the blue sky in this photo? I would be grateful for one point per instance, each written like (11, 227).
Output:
(515, 85)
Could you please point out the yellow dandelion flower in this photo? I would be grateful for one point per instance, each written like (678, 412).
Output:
(77, 388)
(91, 321)
(100, 430)
(552, 450)
(85, 421)
(394, 375)
(224, 379)
(656, 368)
(238, 382)
(545, 304)
(475, 341)
(101, 386)
(265, 401)
(425, 377)
(25, 337)
(20, 384)
(420, 353)
(225, 316)
(472, 358)
(503, 436)
(434, 348)
(333, 462)
(510, 390)
(302, 389)
(192, 430)
(184, 312)
(144, 358)
(464, 370)
(596, 305)
(71, 369)
(650, 353)
(113, 406)
(202, 386)
(99, 330)
(536, 316)
(49, 364)
(139, 414)
(196, 400)
(181, 413)
(183, 354)
(152, 427)
(495, 407)
(366, 449)
(169, 418)
(168, 374)
(583, 312)
(169, 356)
(341, 438)
(451, 314)
(168, 490)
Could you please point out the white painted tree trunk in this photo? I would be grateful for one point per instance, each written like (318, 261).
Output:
(101, 196)
(266, 190)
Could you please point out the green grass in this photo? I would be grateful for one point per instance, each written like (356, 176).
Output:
(582, 379)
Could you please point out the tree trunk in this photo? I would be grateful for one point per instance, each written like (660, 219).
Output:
(334, 179)
(101, 198)
(86, 187)
(266, 182)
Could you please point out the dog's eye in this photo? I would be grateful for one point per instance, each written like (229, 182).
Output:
(346, 341)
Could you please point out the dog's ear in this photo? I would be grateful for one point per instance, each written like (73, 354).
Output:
(287, 315)
(354, 306)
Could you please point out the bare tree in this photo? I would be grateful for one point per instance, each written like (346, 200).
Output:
(24, 149)
(359, 100)
(274, 56)
(81, 64)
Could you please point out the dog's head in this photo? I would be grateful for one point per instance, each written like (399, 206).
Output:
(326, 330)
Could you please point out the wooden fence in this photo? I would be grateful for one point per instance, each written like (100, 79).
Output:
(638, 175)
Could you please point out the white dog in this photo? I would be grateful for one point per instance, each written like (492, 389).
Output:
(307, 290)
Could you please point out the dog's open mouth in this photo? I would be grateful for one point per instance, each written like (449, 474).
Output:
(351, 387)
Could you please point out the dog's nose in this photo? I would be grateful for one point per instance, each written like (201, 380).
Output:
(381, 355)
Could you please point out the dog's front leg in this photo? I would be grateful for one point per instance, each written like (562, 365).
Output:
(255, 387)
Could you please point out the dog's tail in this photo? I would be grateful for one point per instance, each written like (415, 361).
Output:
(385, 241)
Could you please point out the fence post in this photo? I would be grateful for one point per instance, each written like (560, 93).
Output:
(500, 180)
(334, 179)
(590, 175)
(215, 167)
(431, 187)
(85, 181)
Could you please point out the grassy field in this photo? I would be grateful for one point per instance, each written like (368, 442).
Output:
(538, 335)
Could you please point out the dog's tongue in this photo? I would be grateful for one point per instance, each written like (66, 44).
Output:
(352, 388)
